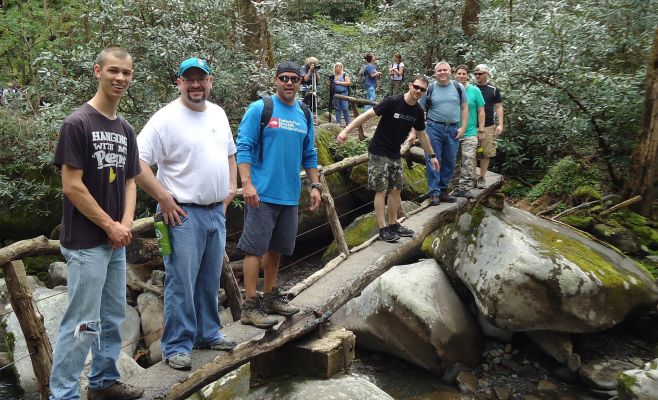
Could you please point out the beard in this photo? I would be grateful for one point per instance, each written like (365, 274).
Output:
(195, 100)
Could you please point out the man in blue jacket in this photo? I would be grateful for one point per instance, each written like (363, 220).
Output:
(271, 188)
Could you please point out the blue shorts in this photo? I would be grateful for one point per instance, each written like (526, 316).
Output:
(269, 227)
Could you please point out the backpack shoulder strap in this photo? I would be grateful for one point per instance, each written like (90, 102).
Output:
(428, 96)
(307, 113)
(459, 90)
(265, 117)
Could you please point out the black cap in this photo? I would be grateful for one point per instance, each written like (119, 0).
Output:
(288, 66)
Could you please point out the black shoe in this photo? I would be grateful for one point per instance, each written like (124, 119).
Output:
(462, 193)
(223, 345)
(446, 198)
(388, 235)
(434, 200)
(400, 230)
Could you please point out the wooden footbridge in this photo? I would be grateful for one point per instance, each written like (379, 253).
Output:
(319, 296)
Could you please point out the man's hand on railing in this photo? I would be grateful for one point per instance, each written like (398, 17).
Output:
(250, 195)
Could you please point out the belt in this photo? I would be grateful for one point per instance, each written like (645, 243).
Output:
(442, 123)
(206, 206)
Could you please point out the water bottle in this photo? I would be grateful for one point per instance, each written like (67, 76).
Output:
(162, 234)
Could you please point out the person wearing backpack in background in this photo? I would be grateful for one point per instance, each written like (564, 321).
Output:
(445, 106)
(269, 159)
(341, 84)
(397, 75)
(370, 81)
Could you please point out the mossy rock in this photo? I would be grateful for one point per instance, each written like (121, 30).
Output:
(644, 228)
(586, 193)
(618, 236)
(583, 223)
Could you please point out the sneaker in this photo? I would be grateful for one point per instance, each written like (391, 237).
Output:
(462, 193)
(253, 314)
(400, 230)
(276, 303)
(445, 197)
(388, 235)
(180, 361)
(434, 200)
(481, 184)
(223, 345)
(117, 390)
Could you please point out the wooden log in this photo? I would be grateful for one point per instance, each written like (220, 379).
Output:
(344, 164)
(31, 322)
(355, 111)
(30, 247)
(147, 286)
(230, 285)
(623, 204)
(356, 100)
(295, 290)
(332, 216)
(142, 225)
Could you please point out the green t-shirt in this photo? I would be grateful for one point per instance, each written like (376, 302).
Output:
(475, 101)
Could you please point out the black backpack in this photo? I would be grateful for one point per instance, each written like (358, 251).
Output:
(428, 98)
(266, 115)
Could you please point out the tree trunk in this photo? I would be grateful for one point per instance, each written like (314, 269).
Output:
(471, 17)
(644, 161)
(257, 37)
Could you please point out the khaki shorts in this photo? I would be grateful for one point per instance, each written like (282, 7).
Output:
(384, 173)
(489, 142)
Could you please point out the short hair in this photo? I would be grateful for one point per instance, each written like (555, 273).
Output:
(421, 78)
(369, 57)
(311, 60)
(338, 64)
(118, 52)
(461, 66)
(442, 62)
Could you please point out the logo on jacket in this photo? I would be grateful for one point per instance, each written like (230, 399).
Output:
(274, 123)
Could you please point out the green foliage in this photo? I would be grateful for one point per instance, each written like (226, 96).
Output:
(562, 179)
(352, 147)
(515, 189)
(586, 193)
(583, 223)
(337, 10)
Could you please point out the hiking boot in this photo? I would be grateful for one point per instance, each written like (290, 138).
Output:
(445, 197)
(253, 314)
(400, 230)
(180, 361)
(388, 235)
(276, 303)
(223, 345)
(481, 184)
(117, 390)
(434, 200)
(462, 193)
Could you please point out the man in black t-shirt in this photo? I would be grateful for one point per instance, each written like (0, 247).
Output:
(98, 157)
(493, 127)
(399, 114)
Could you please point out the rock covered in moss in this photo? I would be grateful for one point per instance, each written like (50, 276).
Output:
(526, 273)
(618, 236)
(639, 384)
(585, 193)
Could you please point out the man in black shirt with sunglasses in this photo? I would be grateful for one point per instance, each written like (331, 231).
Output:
(399, 114)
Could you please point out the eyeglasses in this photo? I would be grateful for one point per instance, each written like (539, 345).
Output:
(422, 89)
(285, 79)
(479, 73)
(191, 81)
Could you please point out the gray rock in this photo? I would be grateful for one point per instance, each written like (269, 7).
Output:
(57, 274)
(603, 374)
(557, 345)
(412, 312)
(620, 237)
(639, 384)
(530, 274)
(151, 310)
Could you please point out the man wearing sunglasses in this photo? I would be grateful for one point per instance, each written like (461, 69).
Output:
(399, 114)
(493, 122)
(190, 140)
(271, 188)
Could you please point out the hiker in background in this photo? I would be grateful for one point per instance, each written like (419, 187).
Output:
(341, 84)
(493, 123)
(269, 159)
(371, 75)
(191, 142)
(310, 82)
(396, 72)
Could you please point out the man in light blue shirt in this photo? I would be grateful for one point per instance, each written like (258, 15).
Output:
(446, 106)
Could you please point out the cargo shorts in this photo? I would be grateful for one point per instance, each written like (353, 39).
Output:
(384, 173)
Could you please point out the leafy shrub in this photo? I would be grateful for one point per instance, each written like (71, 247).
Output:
(562, 179)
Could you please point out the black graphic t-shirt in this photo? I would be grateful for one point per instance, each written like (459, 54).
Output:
(397, 119)
(491, 96)
(106, 151)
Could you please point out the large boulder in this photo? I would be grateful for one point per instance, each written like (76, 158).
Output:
(412, 312)
(527, 273)
(52, 305)
(639, 384)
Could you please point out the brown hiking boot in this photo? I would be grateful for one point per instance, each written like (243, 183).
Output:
(117, 390)
(275, 303)
(253, 314)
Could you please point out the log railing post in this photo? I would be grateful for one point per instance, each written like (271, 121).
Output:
(230, 285)
(31, 322)
(332, 216)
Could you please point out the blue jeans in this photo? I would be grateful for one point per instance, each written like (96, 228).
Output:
(341, 106)
(371, 94)
(445, 146)
(192, 273)
(97, 307)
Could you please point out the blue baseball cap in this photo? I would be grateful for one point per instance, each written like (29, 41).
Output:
(194, 62)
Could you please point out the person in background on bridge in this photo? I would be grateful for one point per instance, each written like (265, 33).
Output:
(310, 73)
(271, 187)
(341, 83)
(371, 75)
(399, 114)
(396, 71)
(493, 124)
(190, 140)
(446, 106)
(98, 157)
(469, 141)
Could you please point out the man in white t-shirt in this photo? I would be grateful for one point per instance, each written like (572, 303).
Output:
(191, 142)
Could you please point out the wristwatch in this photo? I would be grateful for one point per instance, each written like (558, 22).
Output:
(432, 155)
(317, 186)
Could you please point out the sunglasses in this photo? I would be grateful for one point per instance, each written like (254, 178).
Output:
(422, 89)
(285, 79)
(479, 73)
(191, 81)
